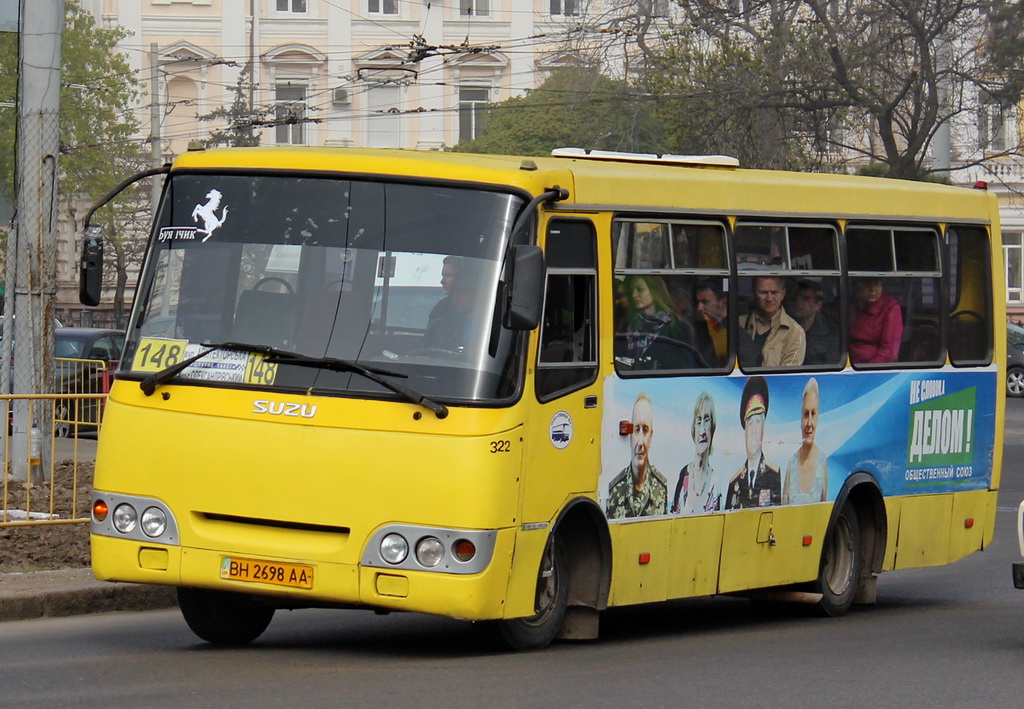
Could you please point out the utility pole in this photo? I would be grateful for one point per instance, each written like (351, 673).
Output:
(156, 152)
(32, 247)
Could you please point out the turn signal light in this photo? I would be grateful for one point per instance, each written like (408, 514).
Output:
(100, 510)
(464, 550)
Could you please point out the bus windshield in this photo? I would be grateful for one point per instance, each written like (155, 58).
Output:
(402, 278)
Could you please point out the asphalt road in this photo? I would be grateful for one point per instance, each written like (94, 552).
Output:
(949, 637)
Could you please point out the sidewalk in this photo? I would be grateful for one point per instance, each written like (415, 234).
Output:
(82, 449)
(67, 592)
(53, 594)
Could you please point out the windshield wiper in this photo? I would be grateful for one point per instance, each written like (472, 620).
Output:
(151, 382)
(371, 373)
(276, 356)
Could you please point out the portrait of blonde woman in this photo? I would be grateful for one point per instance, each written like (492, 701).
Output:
(807, 472)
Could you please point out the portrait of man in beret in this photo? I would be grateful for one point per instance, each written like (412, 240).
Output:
(757, 483)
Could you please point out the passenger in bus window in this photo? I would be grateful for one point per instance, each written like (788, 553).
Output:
(656, 335)
(711, 329)
(757, 483)
(876, 329)
(776, 340)
(696, 491)
(821, 335)
(640, 490)
(807, 472)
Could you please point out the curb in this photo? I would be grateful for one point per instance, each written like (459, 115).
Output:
(68, 592)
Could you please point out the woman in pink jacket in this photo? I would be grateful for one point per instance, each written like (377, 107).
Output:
(877, 326)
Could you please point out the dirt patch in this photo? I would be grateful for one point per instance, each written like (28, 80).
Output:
(33, 547)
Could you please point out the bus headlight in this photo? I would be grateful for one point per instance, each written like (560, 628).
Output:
(154, 521)
(429, 551)
(394, 548)
(125, 518)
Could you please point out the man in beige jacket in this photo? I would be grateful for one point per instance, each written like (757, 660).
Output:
(776, 337)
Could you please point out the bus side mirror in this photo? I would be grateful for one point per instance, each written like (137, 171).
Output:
(525, 288)
(90, 270)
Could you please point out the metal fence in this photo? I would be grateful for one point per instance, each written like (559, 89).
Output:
(54, 484)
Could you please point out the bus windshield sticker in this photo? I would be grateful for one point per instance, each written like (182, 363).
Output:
(561, 429)
(208, 213)
(229, 366)
(177, 233)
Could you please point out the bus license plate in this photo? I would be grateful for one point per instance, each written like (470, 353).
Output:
(272, 572)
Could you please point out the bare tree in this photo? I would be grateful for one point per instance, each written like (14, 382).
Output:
(818, 83)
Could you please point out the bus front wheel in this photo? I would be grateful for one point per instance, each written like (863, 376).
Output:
(840, 564)
(552, 598)
(223, 618)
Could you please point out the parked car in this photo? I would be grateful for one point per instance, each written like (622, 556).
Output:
(85, 360)
(1014, 360)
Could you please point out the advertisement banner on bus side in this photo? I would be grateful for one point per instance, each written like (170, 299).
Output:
(679, 446)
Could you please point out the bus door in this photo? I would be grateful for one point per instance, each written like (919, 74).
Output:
(563, 449)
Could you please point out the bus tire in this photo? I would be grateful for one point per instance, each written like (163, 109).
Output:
(552, 599)
(223, 618)
(841, 561)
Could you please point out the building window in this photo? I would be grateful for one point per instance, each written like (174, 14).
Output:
(383, 124)
(290, 114)
(566, 8)
(659, 8)
(291, 5)
(479, 8)
(992, 123)
(1013, 254)
(472, 111)
(383, 7)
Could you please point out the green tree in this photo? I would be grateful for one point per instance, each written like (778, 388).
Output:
(97, 127)
(721, 95)
(575, 107)
(241, 116)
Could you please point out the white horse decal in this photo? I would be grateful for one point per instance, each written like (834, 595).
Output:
(208, 213)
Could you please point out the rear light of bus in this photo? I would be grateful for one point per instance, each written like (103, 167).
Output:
(100, 510)
(429, 551)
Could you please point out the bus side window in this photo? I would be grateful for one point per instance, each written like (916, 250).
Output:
(969, 332)
(567, 357)
(895, 295)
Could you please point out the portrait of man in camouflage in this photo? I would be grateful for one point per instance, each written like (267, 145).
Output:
(640, 490)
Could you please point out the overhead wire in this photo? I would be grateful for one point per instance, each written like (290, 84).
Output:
(418, 52)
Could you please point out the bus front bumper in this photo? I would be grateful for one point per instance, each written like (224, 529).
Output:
(470, 597)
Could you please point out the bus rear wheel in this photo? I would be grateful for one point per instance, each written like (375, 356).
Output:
(840, 564)
(223, 618)
(551, 601)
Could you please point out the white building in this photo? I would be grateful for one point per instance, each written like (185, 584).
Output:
(368, 73)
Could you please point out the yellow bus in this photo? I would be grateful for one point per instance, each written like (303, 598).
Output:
(519, 391)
